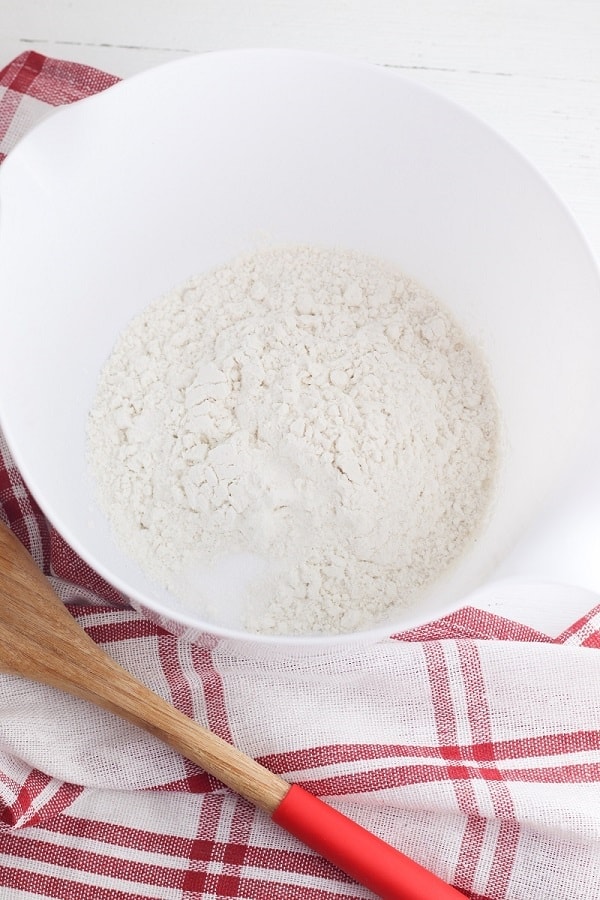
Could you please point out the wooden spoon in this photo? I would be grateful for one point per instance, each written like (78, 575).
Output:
(40, 640)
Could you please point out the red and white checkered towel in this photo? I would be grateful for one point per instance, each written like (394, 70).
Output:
(472, 744)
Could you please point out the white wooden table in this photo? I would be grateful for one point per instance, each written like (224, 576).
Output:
(529, 68)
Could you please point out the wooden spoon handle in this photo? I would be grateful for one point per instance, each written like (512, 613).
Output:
(40, 640)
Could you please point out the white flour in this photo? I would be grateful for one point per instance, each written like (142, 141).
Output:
(312, 412)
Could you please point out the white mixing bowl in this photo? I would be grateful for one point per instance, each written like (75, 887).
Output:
(115, 200)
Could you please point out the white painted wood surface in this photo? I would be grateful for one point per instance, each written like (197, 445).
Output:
(529, 68)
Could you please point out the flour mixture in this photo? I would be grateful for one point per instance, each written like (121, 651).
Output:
(308, 427)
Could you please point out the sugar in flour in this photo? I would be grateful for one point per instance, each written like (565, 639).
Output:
(309, 418)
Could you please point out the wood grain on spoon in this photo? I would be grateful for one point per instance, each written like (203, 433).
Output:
(40, 640)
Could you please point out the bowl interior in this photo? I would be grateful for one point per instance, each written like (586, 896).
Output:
(110, 203)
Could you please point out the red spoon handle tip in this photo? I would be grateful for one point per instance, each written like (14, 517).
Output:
(372, 862)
